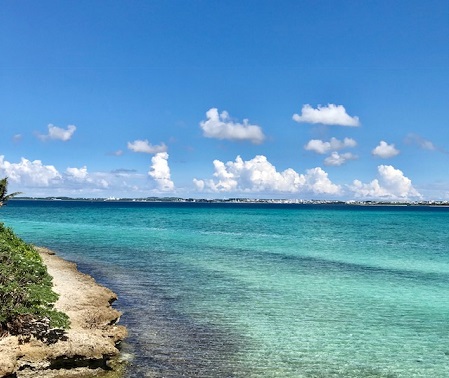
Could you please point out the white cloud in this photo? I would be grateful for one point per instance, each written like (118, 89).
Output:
(420, 142)
(336, 159)
(334, 144)
(199, 184)
(392, 184)
(160, 172)
(30, 173)
(385, 150)
(146, 147)
(318, 182)
(259, 175)
(80, 178)
(326, 115)
(78, 174)
(33, 178)
(220, 126)
(17, 137)
(103, 183)
(58, 133)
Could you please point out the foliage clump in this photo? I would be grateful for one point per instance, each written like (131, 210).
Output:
(26, 295)
(4, 196)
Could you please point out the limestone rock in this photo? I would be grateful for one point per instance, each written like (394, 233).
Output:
(88, 345)
(8, 353)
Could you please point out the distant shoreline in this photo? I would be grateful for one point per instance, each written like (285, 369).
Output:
(240, 201)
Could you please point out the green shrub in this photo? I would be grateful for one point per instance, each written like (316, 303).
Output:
(25, 285)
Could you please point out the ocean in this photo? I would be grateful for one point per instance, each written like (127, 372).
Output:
(262, 290)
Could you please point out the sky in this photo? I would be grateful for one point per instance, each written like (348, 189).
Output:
(216, 99)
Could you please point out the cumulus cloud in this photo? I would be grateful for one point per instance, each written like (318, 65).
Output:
(336, 159)
(334, 144)
(58, 133)
(78, 174)
(199, 184)
(146, 147)
(326, 115)
(259, 175)
(392, 184)
(385, 150)
(80, 179)
(220, 126)
(160, 172)
(30, 173)
(420, 142)
(41, 180)
(318, 182)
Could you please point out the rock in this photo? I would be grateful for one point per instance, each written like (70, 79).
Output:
(8, 353)
(86, 348)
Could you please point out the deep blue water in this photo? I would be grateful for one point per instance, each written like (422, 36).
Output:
(252, 290)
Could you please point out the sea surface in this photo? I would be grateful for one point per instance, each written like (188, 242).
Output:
(260, 290)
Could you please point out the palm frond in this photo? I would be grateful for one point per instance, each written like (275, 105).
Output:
(4, 197)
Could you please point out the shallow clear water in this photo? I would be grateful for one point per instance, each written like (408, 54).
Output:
(226, 290)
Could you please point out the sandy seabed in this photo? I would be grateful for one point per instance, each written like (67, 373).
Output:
(91, 348)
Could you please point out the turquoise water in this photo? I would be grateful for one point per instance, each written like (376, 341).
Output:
(211, 290)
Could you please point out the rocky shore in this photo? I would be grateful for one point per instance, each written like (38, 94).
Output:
(88, 349)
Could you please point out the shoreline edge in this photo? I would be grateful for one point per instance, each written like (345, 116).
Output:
(91, 347)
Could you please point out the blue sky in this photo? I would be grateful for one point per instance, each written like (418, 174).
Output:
(216, 99)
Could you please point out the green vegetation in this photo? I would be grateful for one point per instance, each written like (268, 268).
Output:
(26, 295)
(26, 292)
(4, 197)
